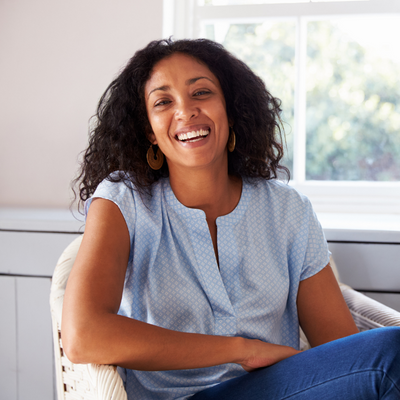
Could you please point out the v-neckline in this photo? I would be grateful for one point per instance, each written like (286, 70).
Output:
(232, 218)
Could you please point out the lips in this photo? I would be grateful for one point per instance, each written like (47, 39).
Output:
(192, 136)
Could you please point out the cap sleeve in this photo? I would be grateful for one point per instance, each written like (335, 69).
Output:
(122, 196)
(317, 252)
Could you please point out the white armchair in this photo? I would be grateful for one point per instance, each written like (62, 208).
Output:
(78, 381)
(102, 382)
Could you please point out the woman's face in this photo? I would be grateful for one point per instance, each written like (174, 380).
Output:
(187, 113)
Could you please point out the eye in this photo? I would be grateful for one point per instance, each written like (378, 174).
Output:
(201, 93)
(162, 103)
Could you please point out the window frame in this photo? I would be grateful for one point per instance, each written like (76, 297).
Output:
(183, 19)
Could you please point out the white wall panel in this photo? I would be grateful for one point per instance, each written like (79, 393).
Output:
(35, 354)
(30, 253)
(368, 266)
(8, 339)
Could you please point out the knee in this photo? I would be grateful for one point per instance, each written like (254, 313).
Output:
(387, 336)
(388, 351)
(384, 343)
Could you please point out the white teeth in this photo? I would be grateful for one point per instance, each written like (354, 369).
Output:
(192, 134)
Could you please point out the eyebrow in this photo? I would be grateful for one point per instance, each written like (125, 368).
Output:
(194, 80)
(188, 83)
(163, 88)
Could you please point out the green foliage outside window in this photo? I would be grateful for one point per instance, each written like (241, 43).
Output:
(353, 109)
(353, 97)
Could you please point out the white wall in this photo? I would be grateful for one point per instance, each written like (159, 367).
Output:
(56, 60)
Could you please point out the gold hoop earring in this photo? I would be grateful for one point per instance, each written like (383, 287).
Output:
(155, 160)
(231, 140)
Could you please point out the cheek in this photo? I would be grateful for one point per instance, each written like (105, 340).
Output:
(159, 120)
(220, 111)
(160, 125)
(154, 122)
(223, 118)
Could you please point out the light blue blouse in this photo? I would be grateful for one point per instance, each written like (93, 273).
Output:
(266, 246)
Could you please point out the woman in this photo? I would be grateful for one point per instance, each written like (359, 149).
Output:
(197, 265)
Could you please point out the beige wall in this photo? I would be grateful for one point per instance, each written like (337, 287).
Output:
(56, 59)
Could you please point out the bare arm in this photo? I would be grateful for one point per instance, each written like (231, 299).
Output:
(323, 313)
(92, 332)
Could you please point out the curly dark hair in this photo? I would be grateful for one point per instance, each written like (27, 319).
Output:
(119, 142)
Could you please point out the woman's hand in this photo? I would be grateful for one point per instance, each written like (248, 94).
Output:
(260, 354)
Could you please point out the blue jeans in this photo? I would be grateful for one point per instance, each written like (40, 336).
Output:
(363, 366)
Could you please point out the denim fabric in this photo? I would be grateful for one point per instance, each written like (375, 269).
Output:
(364, 366)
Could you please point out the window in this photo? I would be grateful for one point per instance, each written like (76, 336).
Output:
(336, 68)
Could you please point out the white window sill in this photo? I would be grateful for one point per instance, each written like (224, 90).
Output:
(40, 220)
(352, 197)
(369, 228)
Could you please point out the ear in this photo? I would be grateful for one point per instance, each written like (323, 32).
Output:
(152, 138)
(230, 122)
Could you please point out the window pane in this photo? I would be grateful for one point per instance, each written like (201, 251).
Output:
(353, 99)
(268, 49)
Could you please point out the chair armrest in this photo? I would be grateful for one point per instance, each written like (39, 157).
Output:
(92, 381)
(78, 381)
(368, 313)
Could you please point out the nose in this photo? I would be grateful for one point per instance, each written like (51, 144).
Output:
(186, 110)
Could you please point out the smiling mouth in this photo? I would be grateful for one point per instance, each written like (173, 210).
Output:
(193, 136)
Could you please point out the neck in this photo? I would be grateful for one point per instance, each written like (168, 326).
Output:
(213, 191)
